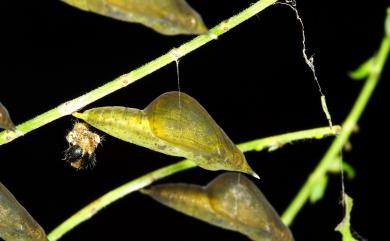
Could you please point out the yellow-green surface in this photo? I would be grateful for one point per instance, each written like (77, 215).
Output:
(230, 201)
(174, 124)
(168, 17)
(16, 224)
(5, 119)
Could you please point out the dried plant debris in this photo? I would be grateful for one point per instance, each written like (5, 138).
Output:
(231, 201)
(16, 224)
(5, 119)
(83, 143)
(169, 17)
(174, 124)
(345, 226)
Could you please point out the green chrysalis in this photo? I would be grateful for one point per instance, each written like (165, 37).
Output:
(16, 224)
(231, 201)
(5, 119)
(169, 17)
(174, 124)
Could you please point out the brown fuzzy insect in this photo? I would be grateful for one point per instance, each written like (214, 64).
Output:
(83, 143)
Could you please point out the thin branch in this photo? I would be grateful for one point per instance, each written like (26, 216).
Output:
(274, 142)
(347, 128)
(91, 209)
(124, 80)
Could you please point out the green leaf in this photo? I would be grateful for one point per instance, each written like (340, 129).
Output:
(363, 70)
(318, 189)
(347, 168)
(345, 225)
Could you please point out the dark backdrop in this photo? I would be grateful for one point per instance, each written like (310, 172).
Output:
(252, 80)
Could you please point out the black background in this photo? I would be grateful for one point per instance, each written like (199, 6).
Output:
(252, 80)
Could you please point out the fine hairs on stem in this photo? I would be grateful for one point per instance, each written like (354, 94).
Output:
(76, 104)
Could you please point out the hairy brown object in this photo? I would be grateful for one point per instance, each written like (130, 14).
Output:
(83, 143)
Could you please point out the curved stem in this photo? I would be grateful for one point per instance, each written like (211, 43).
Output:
(347, 128)
(91, 209)
(124, 80)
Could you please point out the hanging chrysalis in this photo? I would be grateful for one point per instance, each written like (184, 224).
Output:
(231, 201)
(83, 143)
(174, 124)
(169, 17)
(16, 224)
(5, 119)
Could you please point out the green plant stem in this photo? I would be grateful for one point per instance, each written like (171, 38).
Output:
(347, 128)
(88, 211)
(91, 209)
(274, 142)
(124, 80)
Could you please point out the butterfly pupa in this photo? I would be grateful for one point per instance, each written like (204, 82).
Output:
(169, 17)
(16, 224)
(230, 201)
(5, 119)
(174, 124)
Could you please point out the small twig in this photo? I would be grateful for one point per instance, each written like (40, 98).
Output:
(274, 142)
